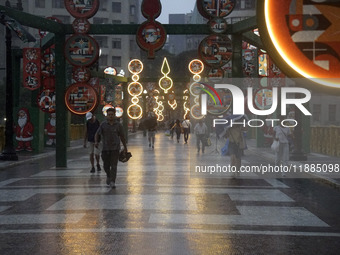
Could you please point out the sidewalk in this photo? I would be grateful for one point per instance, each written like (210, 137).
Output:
(264, 153)
(312, 158)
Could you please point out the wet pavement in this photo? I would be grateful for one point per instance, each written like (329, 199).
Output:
(162, 206)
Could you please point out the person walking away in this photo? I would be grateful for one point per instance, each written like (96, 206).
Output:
(91, 127)
(236, 145)
(201, 132)
(282, 134)
(172, 123)
(186, 129)
(177, 127)
(110, 133)
(152, 127)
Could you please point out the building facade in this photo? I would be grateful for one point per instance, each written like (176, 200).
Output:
(116, 50)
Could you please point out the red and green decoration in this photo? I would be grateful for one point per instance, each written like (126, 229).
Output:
(81, 50)
(151, 35)
(46, 100)
(32, 68)
(82, 9)
(216, 49)
(81, 98)
(81, 26)
(303, 39)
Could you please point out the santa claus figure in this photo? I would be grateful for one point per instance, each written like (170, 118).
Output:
(24, 131)
(50, 130)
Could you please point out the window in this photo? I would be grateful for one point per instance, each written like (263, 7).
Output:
(249, 4)
(116, 21)
(40, 3)
(132, 10)
(116, 7)
(103, 5)
(100, 21)
(116, 61)
(58, 4)
(116, 43)
(331, 112)
(245, 5)
(102, 41)
(132, 45)
(103, 60)
(316, 112)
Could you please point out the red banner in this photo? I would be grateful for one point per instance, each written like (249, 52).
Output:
(32, 68)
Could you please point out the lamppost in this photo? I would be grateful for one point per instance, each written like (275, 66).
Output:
(9, 152)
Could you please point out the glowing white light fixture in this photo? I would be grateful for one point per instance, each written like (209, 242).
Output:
(165, 83)
(135, 89)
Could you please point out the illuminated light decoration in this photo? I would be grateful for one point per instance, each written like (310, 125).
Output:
(165, 82)
(110, 70)
(173, 105)
(135, 89)
(172, 100)
(186, 110)
(195, 112)
(135, 66)
(196, 67)
(309, 47)
(158, 110)
(186, 103)
(213, 90)
(119, 111)
(105, 108)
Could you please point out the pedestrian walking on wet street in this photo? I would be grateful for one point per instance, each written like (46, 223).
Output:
(186, 129)
(201, 132)
(91, 127)
(177, 127)
(110, 133)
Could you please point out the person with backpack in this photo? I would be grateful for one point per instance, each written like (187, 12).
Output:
(110, 133)
(178, 129)
(92, 125)
(151, 123)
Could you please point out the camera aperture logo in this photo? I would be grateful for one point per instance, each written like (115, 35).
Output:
(238, 104)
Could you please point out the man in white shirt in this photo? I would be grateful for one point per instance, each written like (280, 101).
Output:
(186, 129)
(281, 134)
(201, 131)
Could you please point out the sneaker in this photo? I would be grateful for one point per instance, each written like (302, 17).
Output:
(98, 168)
(92, 170)
(107, 180)
(29, 149)
(112, 185)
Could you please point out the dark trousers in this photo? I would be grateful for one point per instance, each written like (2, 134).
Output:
(186, 134)
(110, 159)
(200, 139)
